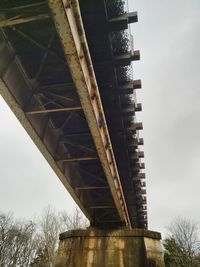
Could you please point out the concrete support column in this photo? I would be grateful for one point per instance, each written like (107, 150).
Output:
(110, 248)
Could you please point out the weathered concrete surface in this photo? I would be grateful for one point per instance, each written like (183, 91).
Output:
(113, 248)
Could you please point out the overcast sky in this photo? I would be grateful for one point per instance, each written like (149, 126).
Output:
(168, 36)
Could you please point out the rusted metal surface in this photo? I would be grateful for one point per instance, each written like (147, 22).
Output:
(70, 29)
(87, 133)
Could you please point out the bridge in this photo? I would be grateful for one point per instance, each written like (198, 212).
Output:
(66, 73)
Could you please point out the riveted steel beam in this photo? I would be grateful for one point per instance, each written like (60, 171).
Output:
(68, 22)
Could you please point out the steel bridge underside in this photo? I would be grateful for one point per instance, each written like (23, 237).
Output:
(65, 78)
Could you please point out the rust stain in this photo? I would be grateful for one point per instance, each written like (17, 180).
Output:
(121, 246)
(91, 245)
(68, 23)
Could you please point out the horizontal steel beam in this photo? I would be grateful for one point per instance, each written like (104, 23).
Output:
(128, 87)
(121, 22)
(125, 88)
(102, 207)
(118, 23)
(137, 84)
(138, 107)
(136, 126)
(141, 175)
(120, 60)
(138, 166)
(136, 180)
(15, 21)
(125, 59)
(78, 159)
(131, 109)
(135, 142)
(136, 155)
(91, 187)
(67, 17)
(42, 111)
(139, 183)
(75, 135)
(142, 213)
(141, 199)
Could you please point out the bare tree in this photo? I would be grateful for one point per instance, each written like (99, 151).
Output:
(25, 243)
(52, 223)
(17, 241)
(73, 221)
(5, 224)
(182, 244)
(49, 229)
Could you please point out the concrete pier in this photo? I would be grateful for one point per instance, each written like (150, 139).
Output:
(110, 248)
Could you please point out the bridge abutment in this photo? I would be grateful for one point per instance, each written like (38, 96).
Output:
(110, 248)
